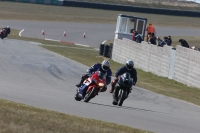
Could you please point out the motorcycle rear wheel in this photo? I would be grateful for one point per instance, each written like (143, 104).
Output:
(89, 95)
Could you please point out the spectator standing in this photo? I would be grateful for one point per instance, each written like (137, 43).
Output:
(150, 30)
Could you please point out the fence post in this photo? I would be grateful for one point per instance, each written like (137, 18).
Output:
(171, 65)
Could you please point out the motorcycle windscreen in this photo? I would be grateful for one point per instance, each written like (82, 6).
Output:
(102, 75)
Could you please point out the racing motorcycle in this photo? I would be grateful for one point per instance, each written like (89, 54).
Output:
(91, 86)
(121, 90)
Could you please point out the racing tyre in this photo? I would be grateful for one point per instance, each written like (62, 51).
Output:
(89, 95)
(77, 98)
(123, 97)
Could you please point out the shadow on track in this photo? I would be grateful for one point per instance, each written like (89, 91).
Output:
(128, 108)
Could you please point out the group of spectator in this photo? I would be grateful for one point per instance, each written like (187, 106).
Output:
(152, 39)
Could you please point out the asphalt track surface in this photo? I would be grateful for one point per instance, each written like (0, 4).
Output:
(34, 76)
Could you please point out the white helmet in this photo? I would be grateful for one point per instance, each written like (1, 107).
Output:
(8, 27)
(105, 65)
(129, 64)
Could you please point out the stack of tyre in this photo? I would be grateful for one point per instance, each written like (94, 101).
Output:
(105, 50)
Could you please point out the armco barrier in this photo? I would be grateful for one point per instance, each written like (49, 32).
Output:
(181, 64)
(131, 8)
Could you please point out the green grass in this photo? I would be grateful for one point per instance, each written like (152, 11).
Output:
(19, 118)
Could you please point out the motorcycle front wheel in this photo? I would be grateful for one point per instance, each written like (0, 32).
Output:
(89, 95)
(77, 98)
(122, 97)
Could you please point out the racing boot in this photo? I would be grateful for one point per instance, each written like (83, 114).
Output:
(83, 77)
(78, 85)
(115, 96)
(114, 102)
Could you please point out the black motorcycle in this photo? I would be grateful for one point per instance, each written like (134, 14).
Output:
(122, 88)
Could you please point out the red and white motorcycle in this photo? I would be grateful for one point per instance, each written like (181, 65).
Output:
(91, 86)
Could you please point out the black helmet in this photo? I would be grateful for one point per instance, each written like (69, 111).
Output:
(129, 64)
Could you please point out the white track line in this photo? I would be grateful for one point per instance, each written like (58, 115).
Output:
(104, 41)
(82, 45)
(52, 40)
(37, 43)
(21, 32)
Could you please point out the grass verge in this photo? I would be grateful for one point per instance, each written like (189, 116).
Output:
(15, 118)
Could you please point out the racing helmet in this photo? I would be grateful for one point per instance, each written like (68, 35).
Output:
(129, 64)
(105, 65)
(8, 27)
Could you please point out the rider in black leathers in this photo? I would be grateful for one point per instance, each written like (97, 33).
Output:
(127, 68)
(6, 31)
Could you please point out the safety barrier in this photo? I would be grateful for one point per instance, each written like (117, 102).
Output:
(105, 50)
(180, 64)
(101, 49)
(104, 6)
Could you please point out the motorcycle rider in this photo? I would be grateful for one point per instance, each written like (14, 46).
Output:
(104, 67)
(128, 67)
(6, 31)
